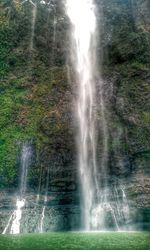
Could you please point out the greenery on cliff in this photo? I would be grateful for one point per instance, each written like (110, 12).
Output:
(33, 82)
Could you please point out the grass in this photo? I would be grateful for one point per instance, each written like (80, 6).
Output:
(76, 241)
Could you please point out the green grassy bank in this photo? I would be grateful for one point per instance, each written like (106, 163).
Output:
(77, 241)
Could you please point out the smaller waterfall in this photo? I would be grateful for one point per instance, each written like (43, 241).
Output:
(121, 208)
(34, 14)
(53, 44)
(125, 209)
(17, 215)
(125, 205)
(25, 162)
(15, 219)
(41, 226)
(8, 224)
(54, 38)
(39, 188)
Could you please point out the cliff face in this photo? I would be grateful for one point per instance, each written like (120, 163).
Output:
(37, 105)
(126, 64)
(126, 67)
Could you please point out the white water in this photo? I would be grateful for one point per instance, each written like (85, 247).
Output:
(8, 224)
(17, 215)
(41, 227)
(25, 161)
(33, 20)
(96, 192)
(14, 221)
(126, 209)
(34, 14)
(15, 218)
(83, 19)
(39, 188)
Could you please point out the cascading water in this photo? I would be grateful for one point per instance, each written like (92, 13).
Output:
(39, 187)
(17, 215)
(83, 46)
(15, 218)
(34, 13)
(33, 20)
(97, 196)
(41, 226)
(25, 162)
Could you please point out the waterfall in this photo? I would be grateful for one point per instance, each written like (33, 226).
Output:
(15, 219)
(33, 20)
(41, 226)
(99, 201)
(17, 215)
(34, 13)
(39, 186)
(25, 162)
(83, 18)
(42, 220)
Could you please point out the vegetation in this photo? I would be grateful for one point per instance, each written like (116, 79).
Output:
(71, 241)
(27, 79)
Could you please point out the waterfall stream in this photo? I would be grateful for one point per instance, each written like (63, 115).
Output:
(41, 226)
(97, 196)
(83, 45)
(34, 13)
(15, 219)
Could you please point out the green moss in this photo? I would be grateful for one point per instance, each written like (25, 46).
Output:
(147, 155)
(146, 117)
